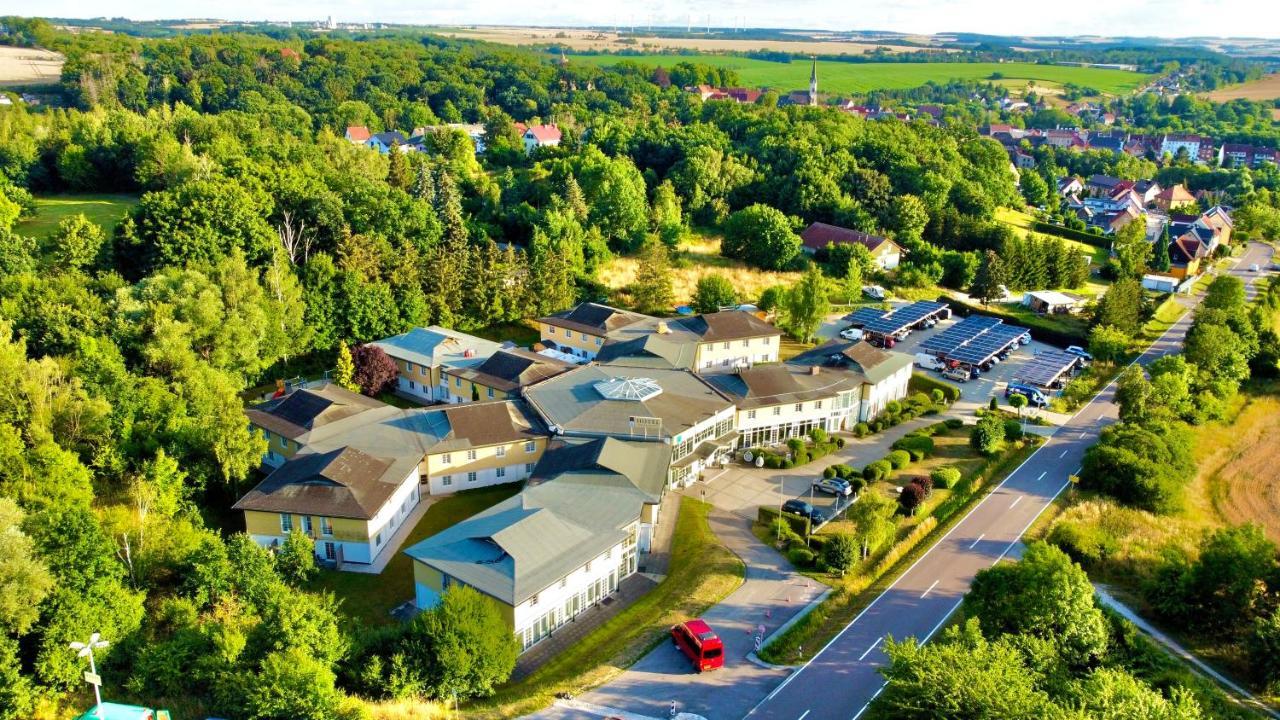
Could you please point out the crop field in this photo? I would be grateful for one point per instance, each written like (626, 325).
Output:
(580, 39)
(29, 66)
(1264, 88)
(1240, 473)
(838, 77)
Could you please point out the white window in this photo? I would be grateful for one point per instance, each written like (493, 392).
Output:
(284, 442)
(725, 346)
(751, 414)
(530, 446)
(746, 343)
(422, 370)
(471, 454)
(818, 405)
(528, 468)
(584, 336)
(446, 480)
(587, 568)
(306, 524)
(500, 451)
(490, 393)
(597, 342)
(329, 553)
(446, 458)
(564, 582)
(799, 407)
(502, 472)
(377, 540)
(286, 523)
(777, 410)
(326, 527)
(533, 601)
(471, 477)
(457, 382)
(412, 386)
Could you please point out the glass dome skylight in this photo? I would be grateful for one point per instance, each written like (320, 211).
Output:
(628, 389)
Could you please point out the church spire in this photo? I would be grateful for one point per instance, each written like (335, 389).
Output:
(813, 82)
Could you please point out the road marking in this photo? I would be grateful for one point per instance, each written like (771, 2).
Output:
(1046, 472)
(873, 698)
(1064, 454)
(1015, 502)
(802, 717)
(868, 650)
(1083, 434)
(1077, 472)
(975, 542)
(931, 587)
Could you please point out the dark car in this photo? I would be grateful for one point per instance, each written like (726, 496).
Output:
(804, 509)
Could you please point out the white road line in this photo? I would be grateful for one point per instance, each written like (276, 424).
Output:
(1083, 434)
(1077, 472)
(1064, 454)
(802, 717)
(1046, 472)
(868, 650)
(1015, 502)
(873, 699)
(931, 587)
(975, 542)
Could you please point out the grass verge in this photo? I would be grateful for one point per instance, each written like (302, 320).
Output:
(827, 619)
(702, 573)
(103, 209)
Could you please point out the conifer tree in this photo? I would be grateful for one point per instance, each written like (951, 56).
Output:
(344, 371)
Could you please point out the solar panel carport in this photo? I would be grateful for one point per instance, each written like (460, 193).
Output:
(1046, 368)
(945, 342)
(864, 315)
(988, 344)
(903, 318)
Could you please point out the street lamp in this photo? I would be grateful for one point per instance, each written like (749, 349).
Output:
(86, 650)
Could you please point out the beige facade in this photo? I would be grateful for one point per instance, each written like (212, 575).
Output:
(575, 342)
(729, 354)
(461, 389)
(279, 447)
(449, 472)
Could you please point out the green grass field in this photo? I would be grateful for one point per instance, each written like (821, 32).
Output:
(105, 210)
(839, 77)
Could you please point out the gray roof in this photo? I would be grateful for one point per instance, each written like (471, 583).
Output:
(877, 365)
(344, 482)
(649, 350)
(606, 461)
(572, 402)
(512, 369)
(524, 544)
(726, 325)
(594, 318)
(434, 345)
(302, 411)
(782, 383)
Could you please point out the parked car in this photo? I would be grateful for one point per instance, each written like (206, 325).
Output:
(957, 374)
(699, 643)
(1253, 268)
(804, 509)
(1079, 352)
(1033, 395)
(835, 486)
(883, 342)
(851, 334)
(874, 291)
(929, 362)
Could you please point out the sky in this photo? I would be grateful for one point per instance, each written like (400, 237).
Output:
(1163, 18)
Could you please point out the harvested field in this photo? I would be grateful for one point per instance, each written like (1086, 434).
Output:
(29, 66)
(580, 39)
(699, 256)
(1240, 472)
(1264, 88)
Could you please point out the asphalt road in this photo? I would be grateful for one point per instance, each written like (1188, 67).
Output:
(842, 680)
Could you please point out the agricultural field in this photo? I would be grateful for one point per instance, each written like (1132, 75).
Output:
(698, 256)
(29, 66)
(105, 210)
(1239, 473)
(838, 77)
(1262, 89)
(586, 39)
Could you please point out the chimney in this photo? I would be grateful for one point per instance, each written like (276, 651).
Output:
(814, 369)
(663, 328)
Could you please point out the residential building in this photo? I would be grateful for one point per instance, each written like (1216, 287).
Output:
(886, 374)
(583, 329)
(1241, 155)
(475, 131)
(558, 548)
(1106, 186)
(1173, 197)
(632, 402)
(1185, 253)
(538, 136)
(384, 142)
(422, 355)
(1070, 186)
(711, 342)
(501, 375)
(1217, 218)
(1199, 149)
(1148, 189)
(358, 134)
(818, 236)
(476, 445)
(288, 421)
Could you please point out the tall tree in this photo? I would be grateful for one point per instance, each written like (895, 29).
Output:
(713, 292)
(990, 277)
(1160, 259)
(1131, 250)
(651, 292)
(807, 304)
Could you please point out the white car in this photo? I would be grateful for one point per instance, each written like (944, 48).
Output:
(1079, 352)
(851, 334)
(1253, 268)
(874, 291)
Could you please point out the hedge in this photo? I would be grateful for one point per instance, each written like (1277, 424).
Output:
(800, 557)
(1013, 429)
(877, 470)
(1065, 232)
(841, 471)
(766, 515)
(945, 477)
(899, 459)
(924, 383)
(918, 446)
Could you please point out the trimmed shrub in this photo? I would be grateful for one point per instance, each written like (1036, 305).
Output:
(829, 472)
(899, 459)
(994, 404)
(893, 407)
(945, 477)
(857, 484)
(800, 557)
(795, 445)
(877, 470)
(925, 383)
(1012, 429)
(861, 430)
(876, 426)
(769, 516)
(918, 446)
(953, 423)
(937, 396)
(818, 436)
(842, 471)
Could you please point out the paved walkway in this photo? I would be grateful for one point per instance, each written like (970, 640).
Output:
(1124, 611)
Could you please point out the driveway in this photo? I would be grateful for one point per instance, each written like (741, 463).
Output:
(769, 596)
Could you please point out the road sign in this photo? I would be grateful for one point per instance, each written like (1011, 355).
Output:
(92, 678)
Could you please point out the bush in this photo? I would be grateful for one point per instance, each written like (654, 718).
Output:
(987, 437)
(953, 423)
(829, 472)
(800, 557)
(839, 443)
(877, 470)
(937, 396)
(769, 517)
(818, 436)
(941, 391)
(945, 477)
(876, 426)
(918, 446)
(893, 407)
(861, 430)
(899, 459)
(842, 471)
(1012, 429)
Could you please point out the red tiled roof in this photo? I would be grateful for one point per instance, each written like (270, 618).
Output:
(544, 133)
(358, 133)
(818, 235)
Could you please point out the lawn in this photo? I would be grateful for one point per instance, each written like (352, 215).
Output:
(523, 333)
(702, 573)
(846, 78)
(105, 210)
(369, 599)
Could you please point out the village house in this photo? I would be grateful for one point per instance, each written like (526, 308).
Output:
(711, 342)
(1173, 197)
(582, 330)
(815, 238)
(358, 134)
(538, 136)
(422, 355)
(502, 375)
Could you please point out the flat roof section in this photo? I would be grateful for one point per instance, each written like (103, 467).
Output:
(1046, 368)
(903, 318)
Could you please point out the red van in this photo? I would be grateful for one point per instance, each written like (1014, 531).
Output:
(700, 644)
